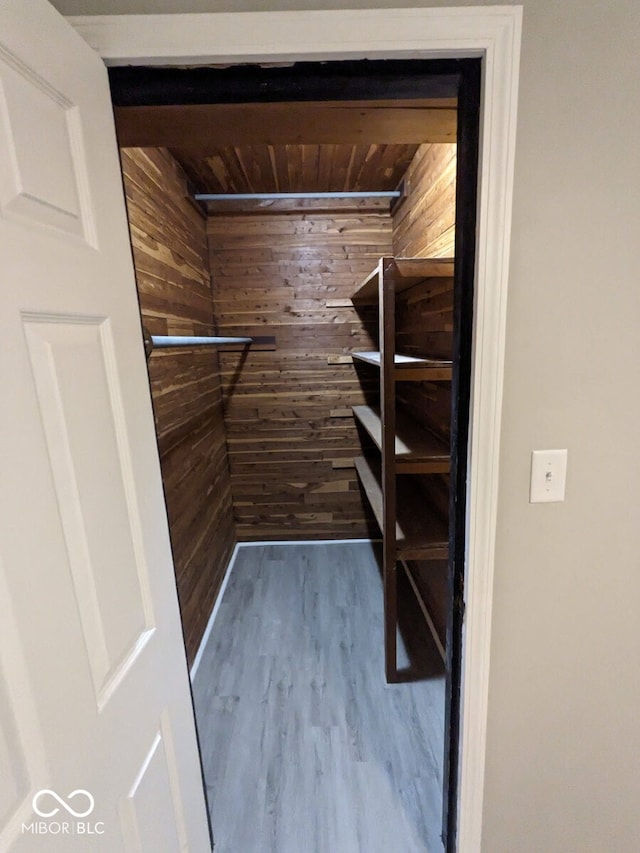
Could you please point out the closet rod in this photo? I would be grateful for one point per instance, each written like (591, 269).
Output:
(152, 342)
(162, 341)
(274, 196)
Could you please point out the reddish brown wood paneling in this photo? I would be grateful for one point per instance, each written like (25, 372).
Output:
(174, 287)
(296, 168)
(424, 223)
(290, 432)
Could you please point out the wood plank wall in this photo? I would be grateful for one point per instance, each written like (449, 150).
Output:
(174, 288)
(424, 223)
(424, 226)
(290, 431)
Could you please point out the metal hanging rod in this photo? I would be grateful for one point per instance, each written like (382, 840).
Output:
(152, 342)
(161, 341)
(274, 196)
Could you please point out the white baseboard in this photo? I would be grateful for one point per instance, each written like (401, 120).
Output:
(214, 613)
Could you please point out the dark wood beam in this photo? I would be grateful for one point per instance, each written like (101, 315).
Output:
(208, 126)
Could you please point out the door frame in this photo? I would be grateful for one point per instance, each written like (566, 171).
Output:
(492, 33)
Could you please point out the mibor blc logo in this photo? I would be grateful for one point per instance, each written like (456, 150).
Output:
(76, 805)
(48, 793)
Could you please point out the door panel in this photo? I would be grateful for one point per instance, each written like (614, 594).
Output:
(72, 362)
(155, 817)
(42, 173)
(94, 689)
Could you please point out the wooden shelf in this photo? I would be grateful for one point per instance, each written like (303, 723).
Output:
(419, 536)
(402, 273)
(414, 576)
(417, 451)
(368, 289)
(413, 525)
(411, 368)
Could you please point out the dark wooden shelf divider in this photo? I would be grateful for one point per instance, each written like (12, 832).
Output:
(419, 535)
(414, 579)
(401, 274)
(411, 368)
(417, 451)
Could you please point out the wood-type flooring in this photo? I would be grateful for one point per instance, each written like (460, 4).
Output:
(304, 745)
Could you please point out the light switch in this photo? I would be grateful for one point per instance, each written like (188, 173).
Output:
(548, 476)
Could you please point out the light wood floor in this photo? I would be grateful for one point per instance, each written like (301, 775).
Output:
(305, 748)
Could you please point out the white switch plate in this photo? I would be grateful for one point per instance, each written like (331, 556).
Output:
(548, 476)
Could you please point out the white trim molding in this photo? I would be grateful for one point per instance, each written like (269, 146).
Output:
(214, 613)
(490, 32)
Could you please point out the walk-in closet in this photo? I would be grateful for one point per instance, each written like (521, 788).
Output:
(308, 240)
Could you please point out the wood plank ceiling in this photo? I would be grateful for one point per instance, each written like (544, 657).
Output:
(291, 147)
(296, 168)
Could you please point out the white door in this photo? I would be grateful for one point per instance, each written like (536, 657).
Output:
(97, 740)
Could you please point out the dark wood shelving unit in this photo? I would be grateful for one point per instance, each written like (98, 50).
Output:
(417, 451)
(401, 274)
(415, 580)
(410, 368)
(400, 445)
(418, 535)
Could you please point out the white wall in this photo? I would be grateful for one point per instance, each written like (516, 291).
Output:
(563, 765)
(563, 771)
